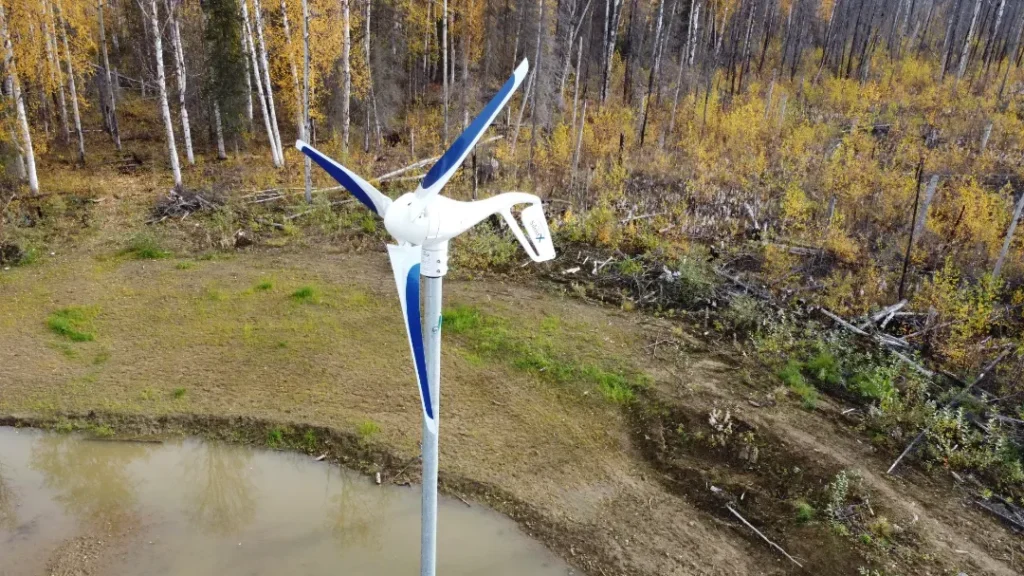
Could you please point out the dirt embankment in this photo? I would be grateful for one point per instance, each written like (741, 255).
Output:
(223, 349)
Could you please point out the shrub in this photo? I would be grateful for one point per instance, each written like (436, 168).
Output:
(145, 247)
(306, 295)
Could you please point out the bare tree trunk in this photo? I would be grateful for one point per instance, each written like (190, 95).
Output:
(108, 87)
(573, 31)
(274, 153)
(691, 37)
(947, 44)
(522, 109)
(165, 109)
(246, 55)
(27, 151)
(1009, 238)
(369, 78)
(613, 10)
(967, 42)
(269, 88)
(656, 61)
(299, 118)
(305, 98)
(929, 195)
(576, 88)
(825, 43)
(444, 66)
(986, 57)
(464, 48)
(541, 29)
(179, 62)
(218, 126)
(346, 74)
(56, 74)
(1012, 55)
(579, 144)
(71, 87)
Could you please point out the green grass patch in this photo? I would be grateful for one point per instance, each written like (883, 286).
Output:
(537, 352)
(275, 438)
(264, 286)
(309, 440)
(368, 429)
(804, 511)
(178, 393)
(462, 319)
(102, 431)
(145, 247)
(792, 375)
(73, 323)
(185, 265)
(306, 295)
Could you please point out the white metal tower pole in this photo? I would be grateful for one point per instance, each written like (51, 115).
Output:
(432, 344)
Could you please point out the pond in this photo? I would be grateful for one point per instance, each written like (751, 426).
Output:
(72, 504)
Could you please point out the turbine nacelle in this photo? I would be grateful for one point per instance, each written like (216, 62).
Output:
(443, 219)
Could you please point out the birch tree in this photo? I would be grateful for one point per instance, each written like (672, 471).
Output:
(56, 74)
(173, 15)
(967, 42)
(267, 85)
(444, 65)
(161, 81)
(305, 127)
(109, 105)
(62, 21)
(10, 65)
(346, 73)
(275, 153)
(613, 10)
(299, 118)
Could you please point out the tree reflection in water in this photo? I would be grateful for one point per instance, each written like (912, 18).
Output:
(355, 510)
(219, 490)
(91, 479)
(8, 518)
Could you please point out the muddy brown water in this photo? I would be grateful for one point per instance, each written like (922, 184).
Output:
(185, 506)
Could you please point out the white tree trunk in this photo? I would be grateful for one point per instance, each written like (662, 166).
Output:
(576, 87)
(268, 86)
(965, 53)
(108, 85)
(346, 74)
(444, 64)
(929, 195)
(161, 80)
(295, 71)
(1009, 238)
(248, 70)
(614, 7)
(19, 102)
(274, 153)
(182, 73)
(218, 126)
(369, 78)
(71, 86)
(56, 74)
(305, 98)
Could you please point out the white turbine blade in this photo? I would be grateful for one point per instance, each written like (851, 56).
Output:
(446, 166)
(405, 263)
(363, 191)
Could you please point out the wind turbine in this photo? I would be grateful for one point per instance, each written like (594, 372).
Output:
(423, 222)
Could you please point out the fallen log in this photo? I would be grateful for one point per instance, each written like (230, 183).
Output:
(763, 537)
